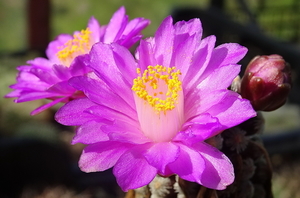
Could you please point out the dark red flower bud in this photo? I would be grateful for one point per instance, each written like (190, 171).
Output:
(266, 82)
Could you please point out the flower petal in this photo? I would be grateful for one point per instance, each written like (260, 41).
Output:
(164, 38)
(199, 128)
(62, 88)
(109, 62)
(41, 63)
(90, 133)
(183, 54)
(218, 172)
(78, 68)
(225, 105)
(94, 27)
(46, 106)
(29, 82)
(186, 40)
(101, 111)
(132, 170)
(116, 26)
(131, 32)
(99, 92)
(125, 62)
(28, 95)
(145, 54)
(73, 113)
(226, 54)
(43, 75)
(107, 124)
(159, 159)
(61, 71)
(205, 165)
(55, 46)
(189, 165)
(232, 110)
(221, 78)
(101, 156)
(125, 132)
(190, 27)
(199, 101)
(199, 63)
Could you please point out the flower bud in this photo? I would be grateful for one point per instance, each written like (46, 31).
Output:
(266, 82)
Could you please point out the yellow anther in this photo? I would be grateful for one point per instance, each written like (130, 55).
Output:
(163, 79)
(80, 44)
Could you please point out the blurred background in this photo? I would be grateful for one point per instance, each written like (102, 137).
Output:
(35, 151)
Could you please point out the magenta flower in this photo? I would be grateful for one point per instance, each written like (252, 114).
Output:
(151, 115)
(47, 78)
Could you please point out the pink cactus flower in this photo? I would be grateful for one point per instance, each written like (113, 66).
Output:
(48, 78)
(151, 114)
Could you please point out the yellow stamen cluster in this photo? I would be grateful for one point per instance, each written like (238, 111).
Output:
(161, 99)
(80, 44)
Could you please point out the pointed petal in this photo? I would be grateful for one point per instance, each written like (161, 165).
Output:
(94, 27)
(46, 106)
(116, 26)
(13, 94)
(132, 31)
(164, 38)
(29, 95)
(190, 27)
(145, 54)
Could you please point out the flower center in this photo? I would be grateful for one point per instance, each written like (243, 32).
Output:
(159, 102)
(80, 44)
